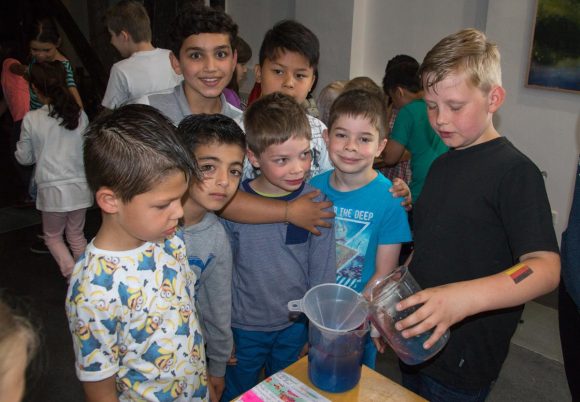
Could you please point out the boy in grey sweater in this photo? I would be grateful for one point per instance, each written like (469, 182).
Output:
(218, 145)
(277, 262)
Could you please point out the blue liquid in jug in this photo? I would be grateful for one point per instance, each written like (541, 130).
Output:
(334, 373)
(410, 350)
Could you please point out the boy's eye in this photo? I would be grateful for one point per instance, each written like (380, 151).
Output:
(455, 108)
(340, 135)
(431, 106)
(301, 76)
(236, 172)
(277, 71)
(366, 139)
(280, 161)
(195, 55)
(222, 54)
(162, 207)
(207, 170)
(306, 154)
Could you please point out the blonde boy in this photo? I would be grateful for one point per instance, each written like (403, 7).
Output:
(370, 224)
(130, 308)
(484, 240)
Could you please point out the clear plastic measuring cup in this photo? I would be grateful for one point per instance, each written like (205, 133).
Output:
(337, 335)
(383, 296)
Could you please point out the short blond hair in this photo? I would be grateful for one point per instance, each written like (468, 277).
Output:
(466, 51)
(15, 329)
(274, 119)
(326, 98)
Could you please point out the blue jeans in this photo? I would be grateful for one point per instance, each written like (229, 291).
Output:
(273, 351)
(370, 353)
(434, 391)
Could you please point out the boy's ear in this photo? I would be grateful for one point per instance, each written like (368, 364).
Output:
(382, 145)
(253, 158)
(175, 63)
(325, 136)
(258, 73)
(107, 200)
(495, 98)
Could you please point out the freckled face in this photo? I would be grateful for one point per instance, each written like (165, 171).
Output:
(283, 166)
(461, 113)
(353, 144)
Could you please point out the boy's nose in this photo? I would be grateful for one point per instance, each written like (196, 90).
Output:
(296, 167)
(210, 64)
(222, 178)
(350, 144)
(177, 210)
(288, 81)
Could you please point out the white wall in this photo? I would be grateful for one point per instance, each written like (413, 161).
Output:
(254, 18)
(388, 28)
(358, 37)
(543, 124)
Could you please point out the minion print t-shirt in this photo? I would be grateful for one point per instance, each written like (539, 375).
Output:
(132, 316)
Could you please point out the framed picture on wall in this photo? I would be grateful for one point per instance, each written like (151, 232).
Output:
(555, 49)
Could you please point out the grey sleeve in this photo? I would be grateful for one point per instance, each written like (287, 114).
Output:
(215, 302)
(322, 258)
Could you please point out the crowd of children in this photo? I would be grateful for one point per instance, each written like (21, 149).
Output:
(182, 294)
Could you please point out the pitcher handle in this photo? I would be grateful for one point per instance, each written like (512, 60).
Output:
(295, 305)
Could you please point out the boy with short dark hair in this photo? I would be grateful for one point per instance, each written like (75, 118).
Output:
(145, 68)
(484, 239)
(274, 263)
(201, 42)
(130, 309)
(411, 130)
(218, 145)
(370, 224)
(289, 64)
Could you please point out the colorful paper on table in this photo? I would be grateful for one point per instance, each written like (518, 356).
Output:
(281, 387)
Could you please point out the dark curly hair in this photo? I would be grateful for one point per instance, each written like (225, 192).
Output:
(195, 20)
(49, 79)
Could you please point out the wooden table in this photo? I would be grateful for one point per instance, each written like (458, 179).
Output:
(371, 387)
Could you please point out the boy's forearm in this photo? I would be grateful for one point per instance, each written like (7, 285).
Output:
(386, 260)
(101, 391)
(247, 208)
(537, 273)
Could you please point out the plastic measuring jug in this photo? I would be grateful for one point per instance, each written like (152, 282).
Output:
(337, 335)
(383, 296)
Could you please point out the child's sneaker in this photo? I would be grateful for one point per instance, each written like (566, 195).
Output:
(38, 246)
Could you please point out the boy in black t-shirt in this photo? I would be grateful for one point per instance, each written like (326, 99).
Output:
(484, 241)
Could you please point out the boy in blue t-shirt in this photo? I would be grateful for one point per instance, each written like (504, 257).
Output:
(278, 262)
(370, 224)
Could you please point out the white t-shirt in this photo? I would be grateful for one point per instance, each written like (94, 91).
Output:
(142, 73)
(58, 155)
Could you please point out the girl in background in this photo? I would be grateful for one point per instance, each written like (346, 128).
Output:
(232, 91)
(51, 137)
(44, 41)
(18, 344)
